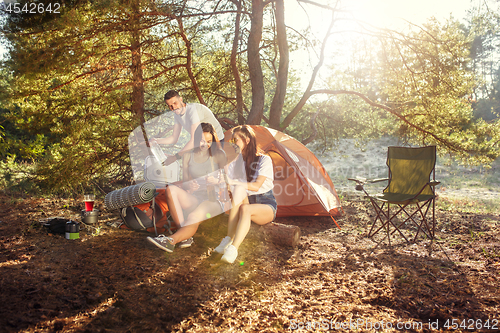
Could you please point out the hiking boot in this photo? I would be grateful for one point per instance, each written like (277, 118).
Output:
(186, 243)
(230, 254)
(163, 242)
(226, 241)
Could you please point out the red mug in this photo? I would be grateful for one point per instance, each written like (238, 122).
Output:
(89, 202)
(89, 206)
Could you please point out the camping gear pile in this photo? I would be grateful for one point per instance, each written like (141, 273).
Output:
(141, 206)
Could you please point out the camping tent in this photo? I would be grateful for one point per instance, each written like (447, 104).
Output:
(302, 187)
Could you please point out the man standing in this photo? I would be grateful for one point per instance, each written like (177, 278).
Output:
(187, 116)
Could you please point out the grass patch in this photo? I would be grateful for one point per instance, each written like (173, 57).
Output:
(17, 178)
(469, 205)
(451, 174)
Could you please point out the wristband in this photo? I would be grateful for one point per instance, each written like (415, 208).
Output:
(177, 156)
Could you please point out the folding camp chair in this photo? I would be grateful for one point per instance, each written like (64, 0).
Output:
(411, 189)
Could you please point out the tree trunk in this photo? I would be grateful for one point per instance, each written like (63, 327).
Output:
(234, 65)
(189, 61)
(307, 93)
(314, 132)
(137, 97)
(281, 84)
(255, 69)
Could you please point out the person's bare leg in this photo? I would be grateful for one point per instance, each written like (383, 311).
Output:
(258, 213)
(179, 200)
(239, 198)
(204, 211)
(184, 233)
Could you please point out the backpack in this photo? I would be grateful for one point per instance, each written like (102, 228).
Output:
(136, 219)
(140, 217)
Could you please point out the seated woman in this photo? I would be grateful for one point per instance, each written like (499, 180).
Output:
(200, 171)
(252, 189)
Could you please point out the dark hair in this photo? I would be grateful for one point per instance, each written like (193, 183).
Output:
(170, 94)
(198, 135)
(251, 154)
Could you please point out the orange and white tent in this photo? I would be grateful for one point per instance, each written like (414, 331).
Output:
(302, 186)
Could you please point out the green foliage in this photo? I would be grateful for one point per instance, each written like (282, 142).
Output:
(483, 27)
(76, 84)
(71, 93)
(343, 116)
(17, 177)
(488, 107)
(17, 142)
(421, 85)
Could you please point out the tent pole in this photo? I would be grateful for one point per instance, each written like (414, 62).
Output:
(335, 221)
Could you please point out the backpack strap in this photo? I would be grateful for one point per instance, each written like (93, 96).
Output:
(139, 220)
(154, 213)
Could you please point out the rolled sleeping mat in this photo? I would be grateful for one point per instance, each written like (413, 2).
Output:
(130, 196)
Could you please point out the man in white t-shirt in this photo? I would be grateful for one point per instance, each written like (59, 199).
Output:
(187, 116)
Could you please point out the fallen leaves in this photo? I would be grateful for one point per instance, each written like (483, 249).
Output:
(116, 281)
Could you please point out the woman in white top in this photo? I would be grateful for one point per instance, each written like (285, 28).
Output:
(252, 181)
(200, 173)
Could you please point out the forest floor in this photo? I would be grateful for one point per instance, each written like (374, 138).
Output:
(113, 280)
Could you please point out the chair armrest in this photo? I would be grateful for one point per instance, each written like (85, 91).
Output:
(359, 180)
(377, 180)
(434, 183)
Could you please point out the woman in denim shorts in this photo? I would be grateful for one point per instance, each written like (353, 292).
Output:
(252, 180)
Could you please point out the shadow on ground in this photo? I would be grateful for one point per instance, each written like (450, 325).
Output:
(113, 280)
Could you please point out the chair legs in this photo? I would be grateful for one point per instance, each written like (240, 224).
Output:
(387, 219)
(424, 225)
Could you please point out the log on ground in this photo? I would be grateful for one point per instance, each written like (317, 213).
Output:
(281, 234)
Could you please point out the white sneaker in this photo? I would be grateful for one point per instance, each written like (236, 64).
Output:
(226, 241)
(230, 254)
